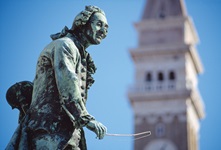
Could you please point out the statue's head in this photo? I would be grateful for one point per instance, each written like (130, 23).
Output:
(93, 23)
(19, 95)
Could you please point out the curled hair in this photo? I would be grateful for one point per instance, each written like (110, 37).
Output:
(83, 17)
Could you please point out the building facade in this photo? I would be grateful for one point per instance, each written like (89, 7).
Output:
(165, 97)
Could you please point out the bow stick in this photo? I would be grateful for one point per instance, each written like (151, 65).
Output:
(141, 134)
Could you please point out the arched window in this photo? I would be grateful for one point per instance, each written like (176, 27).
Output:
(160, 76)
(149, 77)
(172, 75)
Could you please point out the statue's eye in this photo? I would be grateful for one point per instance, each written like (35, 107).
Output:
(99, 24)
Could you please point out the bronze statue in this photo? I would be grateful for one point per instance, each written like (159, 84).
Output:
(57, 111)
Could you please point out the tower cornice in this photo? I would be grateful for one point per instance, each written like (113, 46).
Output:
(184, 22)
(148, 51)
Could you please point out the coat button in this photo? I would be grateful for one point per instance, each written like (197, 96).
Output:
(82, 94)
(83, 78)
(83, 61)
(82, 87)
(83, 70)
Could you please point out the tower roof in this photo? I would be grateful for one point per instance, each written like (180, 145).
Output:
(163, 8)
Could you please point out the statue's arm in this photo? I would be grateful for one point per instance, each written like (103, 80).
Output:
(65, 61)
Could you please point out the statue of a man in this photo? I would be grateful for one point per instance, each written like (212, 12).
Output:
(57, 112)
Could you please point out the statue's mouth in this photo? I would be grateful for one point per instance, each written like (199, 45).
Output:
(99, 37)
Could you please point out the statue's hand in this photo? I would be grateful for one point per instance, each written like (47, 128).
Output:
(98, 128)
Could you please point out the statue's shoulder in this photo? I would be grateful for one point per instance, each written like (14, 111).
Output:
(65, 42)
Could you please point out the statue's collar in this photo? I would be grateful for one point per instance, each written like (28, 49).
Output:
(80, 46)
(68, 33)
(61, 34)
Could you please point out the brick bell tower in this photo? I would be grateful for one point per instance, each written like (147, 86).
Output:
(165, 97)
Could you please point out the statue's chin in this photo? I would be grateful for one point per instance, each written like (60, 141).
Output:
(96, 42)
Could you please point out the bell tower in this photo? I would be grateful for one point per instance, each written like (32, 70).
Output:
(164, 96)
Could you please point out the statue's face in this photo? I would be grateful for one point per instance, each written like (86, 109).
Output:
(97, 28)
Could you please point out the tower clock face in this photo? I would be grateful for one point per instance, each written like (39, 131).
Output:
(160, 145)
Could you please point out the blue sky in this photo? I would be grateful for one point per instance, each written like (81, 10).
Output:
(25, 28)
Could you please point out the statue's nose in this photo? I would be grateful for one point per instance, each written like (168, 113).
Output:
(103, 32)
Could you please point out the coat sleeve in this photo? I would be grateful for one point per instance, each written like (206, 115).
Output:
(66, 59)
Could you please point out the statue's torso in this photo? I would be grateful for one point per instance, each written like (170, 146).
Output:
(45, 111)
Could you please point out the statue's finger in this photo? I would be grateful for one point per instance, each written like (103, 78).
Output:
(97, 130)
(103, 131)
